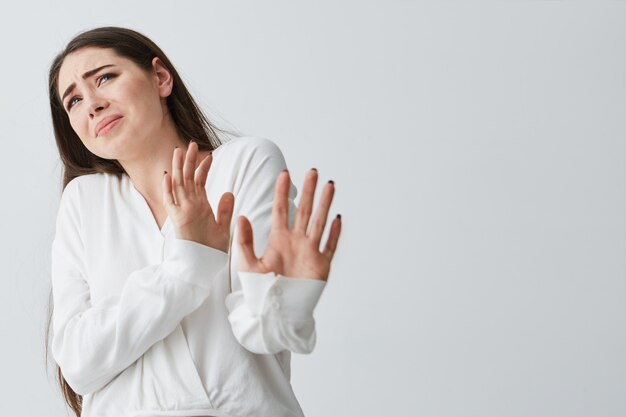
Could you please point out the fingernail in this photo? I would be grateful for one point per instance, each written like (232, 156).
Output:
(339, 216)
(285, 170)
(164, 172)
(331, 182)
(314, 169)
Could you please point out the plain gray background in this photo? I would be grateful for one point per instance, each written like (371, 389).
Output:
(478, 153)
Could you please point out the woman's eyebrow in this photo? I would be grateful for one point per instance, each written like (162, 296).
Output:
(85, 76)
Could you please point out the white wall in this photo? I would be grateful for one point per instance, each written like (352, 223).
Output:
(478, 153)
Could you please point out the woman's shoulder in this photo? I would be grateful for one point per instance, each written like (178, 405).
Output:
(247, 147)
(90, 180)
(81, 192)
(88, 184)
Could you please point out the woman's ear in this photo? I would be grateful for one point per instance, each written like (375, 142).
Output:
(164, 79)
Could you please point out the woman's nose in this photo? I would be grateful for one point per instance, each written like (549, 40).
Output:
(96, 105)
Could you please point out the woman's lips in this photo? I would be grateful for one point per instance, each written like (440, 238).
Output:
(107, 127)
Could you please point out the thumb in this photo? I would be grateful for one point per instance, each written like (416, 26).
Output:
(225, 210)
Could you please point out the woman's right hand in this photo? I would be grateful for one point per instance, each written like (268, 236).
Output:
(186, 202)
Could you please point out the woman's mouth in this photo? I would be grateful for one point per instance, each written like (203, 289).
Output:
(107, 124)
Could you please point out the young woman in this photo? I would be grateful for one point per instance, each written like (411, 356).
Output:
(161, 306)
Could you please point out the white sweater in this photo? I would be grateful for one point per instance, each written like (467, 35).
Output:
(146, 324)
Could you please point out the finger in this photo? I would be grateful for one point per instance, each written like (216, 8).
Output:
(189, 167)
(321, 214)
(225, 210)
(333, 238)
(201, 174)
(245, 240)
(303, 213)
(178, 185)
(280, 210)
(166, 183)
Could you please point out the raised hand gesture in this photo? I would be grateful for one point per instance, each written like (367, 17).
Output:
(186, 202)
(293, 252)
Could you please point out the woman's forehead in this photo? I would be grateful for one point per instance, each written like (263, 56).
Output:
(88, 58)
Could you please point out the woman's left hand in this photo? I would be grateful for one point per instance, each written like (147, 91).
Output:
(291, 252)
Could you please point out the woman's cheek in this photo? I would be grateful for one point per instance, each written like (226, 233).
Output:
(81, 130)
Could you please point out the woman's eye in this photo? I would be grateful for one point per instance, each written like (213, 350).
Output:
(71, 102)
(104, 76)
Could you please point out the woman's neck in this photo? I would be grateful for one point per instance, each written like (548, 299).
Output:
(146, 168)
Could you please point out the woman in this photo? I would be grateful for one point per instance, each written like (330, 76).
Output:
(157, 311)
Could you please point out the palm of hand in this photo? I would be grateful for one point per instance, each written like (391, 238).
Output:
(293, 255)
(186, 202)
(293, 252)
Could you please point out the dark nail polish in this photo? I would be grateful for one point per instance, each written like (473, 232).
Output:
(339, 216)
(314, 169)
(331, 182)
(285, 170)
(164, 172)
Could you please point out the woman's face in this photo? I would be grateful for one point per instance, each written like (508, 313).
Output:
(115, 107)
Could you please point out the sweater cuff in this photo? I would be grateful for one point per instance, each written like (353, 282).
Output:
(269, 293)
(194, 262)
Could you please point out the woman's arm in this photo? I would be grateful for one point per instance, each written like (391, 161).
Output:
(268, 312)
(93, 342)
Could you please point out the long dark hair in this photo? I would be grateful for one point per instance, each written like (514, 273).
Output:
(77, 160)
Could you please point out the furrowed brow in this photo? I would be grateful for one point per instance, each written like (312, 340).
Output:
(86, 75)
